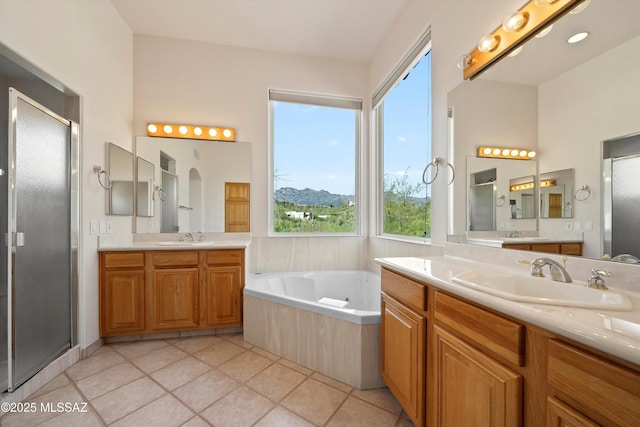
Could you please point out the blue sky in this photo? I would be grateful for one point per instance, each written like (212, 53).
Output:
(314, 146)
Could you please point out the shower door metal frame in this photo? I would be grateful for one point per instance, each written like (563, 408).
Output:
(10, 240)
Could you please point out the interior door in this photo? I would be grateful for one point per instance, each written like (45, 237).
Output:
(39, 260)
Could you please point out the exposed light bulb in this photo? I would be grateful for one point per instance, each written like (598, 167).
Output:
(578, 37)
(183, 130)
(487, 150)
(505, 152)
(152, 128)
(514, 153)
(226, 133)
(515, 22)
(197, 131)
(579, 8)
(488, 43)
(523, 153)
(496, 151)
(213, 132)
(465, 61)
(544, 32)
(167, 129)
(516, 52)
(531, 154)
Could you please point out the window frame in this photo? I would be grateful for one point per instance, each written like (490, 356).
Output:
(414, 55)
(323, 100)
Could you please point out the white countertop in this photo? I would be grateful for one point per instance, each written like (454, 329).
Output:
(613, 332)
(170, 242)
(497, 242)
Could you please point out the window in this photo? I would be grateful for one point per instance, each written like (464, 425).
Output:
(403, 115)
(315, 145)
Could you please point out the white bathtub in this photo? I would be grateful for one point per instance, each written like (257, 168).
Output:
(353, 296)
(328, 321)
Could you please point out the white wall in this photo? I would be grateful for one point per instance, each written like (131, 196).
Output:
(202, 83)
(85, 46)
(577, 111)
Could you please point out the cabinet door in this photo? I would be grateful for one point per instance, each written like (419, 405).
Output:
(122, 302)
(175, 299)
(560, 415)
(223, 296)
(472, 388)
(403, 356)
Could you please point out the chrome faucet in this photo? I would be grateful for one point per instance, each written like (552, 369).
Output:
(188, 237)
(558, 272)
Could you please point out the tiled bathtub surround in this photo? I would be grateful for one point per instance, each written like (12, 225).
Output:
(334, 347)
(202, 381)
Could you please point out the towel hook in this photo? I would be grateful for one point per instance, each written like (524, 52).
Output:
(435, 164)
(98, 169)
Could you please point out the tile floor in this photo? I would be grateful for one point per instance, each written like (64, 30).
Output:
(201, 381)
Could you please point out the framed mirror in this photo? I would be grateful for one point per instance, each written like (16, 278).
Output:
(562, 100)
(145, 197)
(190, 177)
(120, 170)
(556, 191)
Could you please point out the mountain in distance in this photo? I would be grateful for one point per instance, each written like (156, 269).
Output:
(311, 197)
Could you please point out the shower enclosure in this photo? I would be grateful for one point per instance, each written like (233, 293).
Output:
(621, 197)
(39, 214)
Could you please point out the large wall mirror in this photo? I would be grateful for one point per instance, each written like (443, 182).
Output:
(120, 170)
(561, 100)
(187, 190)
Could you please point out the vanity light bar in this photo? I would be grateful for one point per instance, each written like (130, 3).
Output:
(191, 132)
(548, 183)
(516, 29)
(506, 153)
(524, 186)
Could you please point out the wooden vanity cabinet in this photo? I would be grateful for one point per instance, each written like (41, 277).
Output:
(222, 291)
(563, 248)
(174, 291)
(484, 368)
(122, 284)
(477, 354)
(160, 291)
(585, 389)
(403, 342)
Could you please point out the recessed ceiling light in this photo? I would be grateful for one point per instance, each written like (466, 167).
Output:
(578, 37)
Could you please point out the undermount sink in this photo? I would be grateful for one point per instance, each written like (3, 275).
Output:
(540, 290)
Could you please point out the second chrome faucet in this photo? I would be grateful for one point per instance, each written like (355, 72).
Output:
(558, 272)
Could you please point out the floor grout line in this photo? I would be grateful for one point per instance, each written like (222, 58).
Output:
(271, 360)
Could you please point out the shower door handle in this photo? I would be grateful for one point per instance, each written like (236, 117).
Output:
(19, 239)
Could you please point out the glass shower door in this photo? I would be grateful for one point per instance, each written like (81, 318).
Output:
(39, 258)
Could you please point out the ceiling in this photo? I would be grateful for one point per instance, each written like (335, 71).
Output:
(339, 29)
(609, 23)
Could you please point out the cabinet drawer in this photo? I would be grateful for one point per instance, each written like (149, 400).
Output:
(175, 258)
(553, 248)
(405, 290)
(498, 335)
(225, 257)
(571, 248)
(123, 259)
(604, 391)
